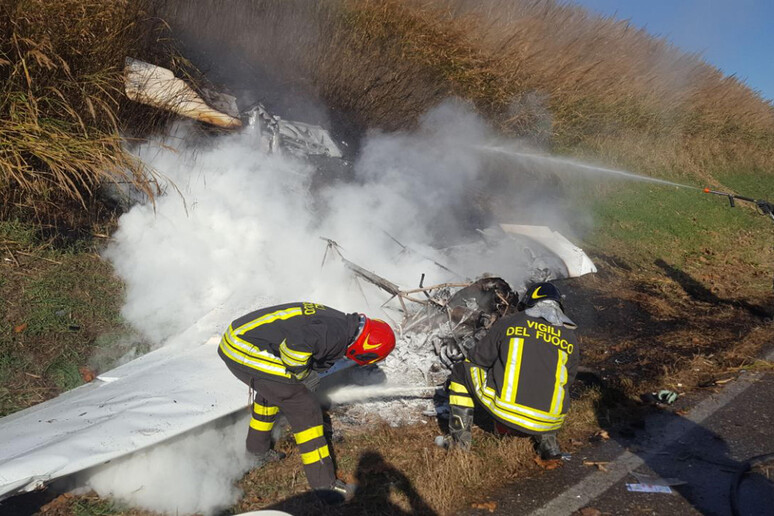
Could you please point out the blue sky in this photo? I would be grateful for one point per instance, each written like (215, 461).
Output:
(737, 36)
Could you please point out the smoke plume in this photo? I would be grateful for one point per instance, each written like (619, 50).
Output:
(239, 229)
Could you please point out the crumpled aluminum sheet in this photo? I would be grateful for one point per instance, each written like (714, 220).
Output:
(297, 138)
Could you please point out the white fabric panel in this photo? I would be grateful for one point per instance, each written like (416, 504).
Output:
(155, 397)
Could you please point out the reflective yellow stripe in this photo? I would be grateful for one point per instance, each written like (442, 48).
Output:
(512, 370)
(300, 376)
(292, 361)
(315, 455)
(245, 353)
(300, 356)
(561, 379)
(484, 391)
(263, 410)
(269, 318)
(257, 363)
(457, 387)
(489, 394)
(309, 434)
(516, 414)
(460, 401)
(261, 426)
(247, 348)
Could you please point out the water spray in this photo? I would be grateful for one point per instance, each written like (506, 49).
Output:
(352, 393)
(583, 166)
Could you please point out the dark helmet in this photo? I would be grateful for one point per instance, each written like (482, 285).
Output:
(541, 292)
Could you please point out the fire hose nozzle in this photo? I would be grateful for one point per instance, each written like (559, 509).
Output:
(724, 194)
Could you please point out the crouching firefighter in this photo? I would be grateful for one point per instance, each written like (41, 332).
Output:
(277, 351)
(520, 373)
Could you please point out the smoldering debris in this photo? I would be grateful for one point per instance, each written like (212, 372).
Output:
(298, 138)
(158, 87)
(440, 324)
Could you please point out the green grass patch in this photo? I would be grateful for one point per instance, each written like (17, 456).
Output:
(641, 223)
(66, 297)
(64, 372)
(749, 183)
(55, 302)
(14, 232)
(96, 507)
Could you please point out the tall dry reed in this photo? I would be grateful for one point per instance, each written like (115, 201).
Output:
(62, 108)
(539, 69)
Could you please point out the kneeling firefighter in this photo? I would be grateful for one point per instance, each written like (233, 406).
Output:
(520, 373)
(277, 351)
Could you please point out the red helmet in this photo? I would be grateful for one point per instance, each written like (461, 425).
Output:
(374, 343)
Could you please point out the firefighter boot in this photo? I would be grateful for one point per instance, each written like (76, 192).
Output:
(460, 428)
(336, 493)
(547, 446)
(267, 458)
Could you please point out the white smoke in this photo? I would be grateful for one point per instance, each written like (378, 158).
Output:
(193, 474)
(244, 231)
(239, 229)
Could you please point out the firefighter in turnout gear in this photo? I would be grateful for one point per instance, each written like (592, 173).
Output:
(520, 373)
(275, 351)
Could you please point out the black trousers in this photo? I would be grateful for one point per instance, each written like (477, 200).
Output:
(304, 414)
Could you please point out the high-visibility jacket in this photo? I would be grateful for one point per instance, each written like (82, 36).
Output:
(285, 342)
(521, 371)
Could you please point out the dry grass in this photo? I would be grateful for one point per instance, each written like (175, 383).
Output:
(61, 103)
(414, 476)
(587, 85)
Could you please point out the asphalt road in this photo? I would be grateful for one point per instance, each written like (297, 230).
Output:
(701, 448)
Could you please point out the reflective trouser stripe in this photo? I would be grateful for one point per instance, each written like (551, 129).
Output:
(263, 417)
(302, 410)
(461, 401)
(261, 426)
(315, 455)
(457, 387)
(264, 410)
(309, 434)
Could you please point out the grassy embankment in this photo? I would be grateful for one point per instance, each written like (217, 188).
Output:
(577, 85)
(62, 115)
(580, 86)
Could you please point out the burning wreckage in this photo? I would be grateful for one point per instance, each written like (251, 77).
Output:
(179, 387)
